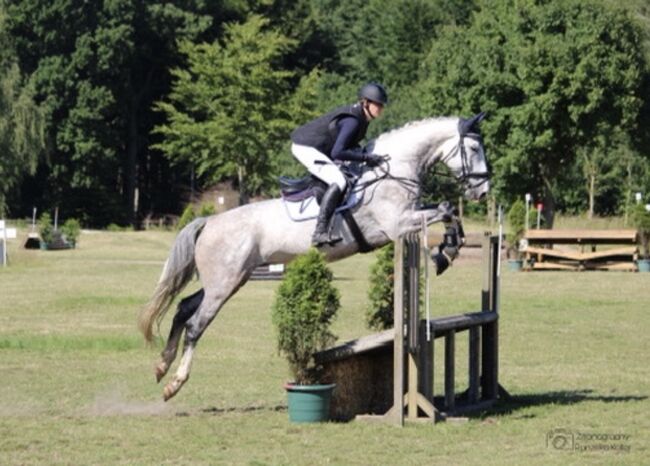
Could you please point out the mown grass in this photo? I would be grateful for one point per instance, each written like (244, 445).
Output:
(78, 387)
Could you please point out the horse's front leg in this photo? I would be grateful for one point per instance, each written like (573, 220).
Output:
(412, 220)
(454, 236)
(449, 249)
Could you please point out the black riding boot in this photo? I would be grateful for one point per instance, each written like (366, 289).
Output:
(328, 205)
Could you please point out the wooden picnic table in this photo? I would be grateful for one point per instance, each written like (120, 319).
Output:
(620, 254)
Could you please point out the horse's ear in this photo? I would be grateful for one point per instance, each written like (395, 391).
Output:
(471, 125)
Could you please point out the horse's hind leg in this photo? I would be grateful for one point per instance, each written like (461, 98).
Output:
(194, 328)
(186, 309)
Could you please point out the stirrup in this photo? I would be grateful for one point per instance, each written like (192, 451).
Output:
(323, 239)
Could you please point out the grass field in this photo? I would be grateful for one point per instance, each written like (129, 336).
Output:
(77, 384)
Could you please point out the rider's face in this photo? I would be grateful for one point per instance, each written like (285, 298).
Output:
(374, 109)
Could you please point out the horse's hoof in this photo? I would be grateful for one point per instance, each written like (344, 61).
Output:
(160, 370)
(172, 388)
(168, 392)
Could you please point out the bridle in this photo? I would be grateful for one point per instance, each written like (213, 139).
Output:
(466, 175)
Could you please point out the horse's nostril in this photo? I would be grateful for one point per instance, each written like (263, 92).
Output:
(482, 196)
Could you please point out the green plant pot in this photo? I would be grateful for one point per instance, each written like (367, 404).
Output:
(515, 265)
(309, 403)
(644, 265)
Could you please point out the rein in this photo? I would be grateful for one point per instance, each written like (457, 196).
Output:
(411, 185)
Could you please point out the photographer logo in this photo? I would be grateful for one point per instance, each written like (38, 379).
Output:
(560, 439)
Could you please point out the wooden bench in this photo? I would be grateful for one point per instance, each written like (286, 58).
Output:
(620, 252)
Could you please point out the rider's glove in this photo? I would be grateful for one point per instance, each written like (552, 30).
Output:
(373, 160)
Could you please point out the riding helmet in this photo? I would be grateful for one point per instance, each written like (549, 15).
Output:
(374, 92)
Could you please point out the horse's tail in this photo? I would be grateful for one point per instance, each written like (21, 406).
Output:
(177, 272)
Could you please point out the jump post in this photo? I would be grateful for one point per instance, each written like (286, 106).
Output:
(362, 368)
(5, 234)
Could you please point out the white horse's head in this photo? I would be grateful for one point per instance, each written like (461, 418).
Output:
(456, 142)
(465, 157)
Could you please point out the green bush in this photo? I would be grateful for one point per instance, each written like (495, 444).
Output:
(207, 209)
(114, 227)
(304, 307)
(190, 213)
(641, 220)
(379, 313)
(71, 229)
(186, 217)
(45, 228)
(517, 223)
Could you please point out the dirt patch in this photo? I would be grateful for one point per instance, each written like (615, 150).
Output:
(115, 403)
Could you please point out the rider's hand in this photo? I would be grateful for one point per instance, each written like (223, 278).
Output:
(373, 160)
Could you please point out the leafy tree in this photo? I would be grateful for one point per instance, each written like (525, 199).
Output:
(226, 113)
(22, 138)
(553, 75)
(96, 69)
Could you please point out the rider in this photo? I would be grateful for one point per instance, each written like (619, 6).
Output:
(332, 138)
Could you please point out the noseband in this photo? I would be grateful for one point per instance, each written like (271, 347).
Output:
(466, 175)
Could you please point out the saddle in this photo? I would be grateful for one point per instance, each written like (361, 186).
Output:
(302, 197)
(301, 189)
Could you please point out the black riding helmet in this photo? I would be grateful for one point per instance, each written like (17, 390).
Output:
(374, 92)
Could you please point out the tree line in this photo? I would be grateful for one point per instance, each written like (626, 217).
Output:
(115, 110)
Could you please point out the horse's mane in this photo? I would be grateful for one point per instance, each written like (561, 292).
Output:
(448, 124)
(416, 124)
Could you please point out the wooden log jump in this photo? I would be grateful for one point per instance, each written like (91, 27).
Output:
(620, 252)
(362, 367)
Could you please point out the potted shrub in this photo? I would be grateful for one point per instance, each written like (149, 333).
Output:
(70, 230)
(641, 220)
(305, 304)
(52, 238)
(517, 223)
(46, 230)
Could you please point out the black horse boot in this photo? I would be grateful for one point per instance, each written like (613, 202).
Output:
(328, 205)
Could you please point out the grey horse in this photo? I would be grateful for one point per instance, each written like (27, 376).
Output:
(225, 249)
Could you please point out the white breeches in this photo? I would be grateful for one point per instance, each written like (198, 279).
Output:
(319, 165)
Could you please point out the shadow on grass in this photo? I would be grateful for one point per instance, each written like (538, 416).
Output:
(514, 403)
(214, 410)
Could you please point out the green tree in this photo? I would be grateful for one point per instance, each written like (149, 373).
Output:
(227, 113)
(96, 68)
(22, 138)
(552, 75)
(381, 41)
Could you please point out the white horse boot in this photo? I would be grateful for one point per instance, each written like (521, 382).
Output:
(328, 205)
